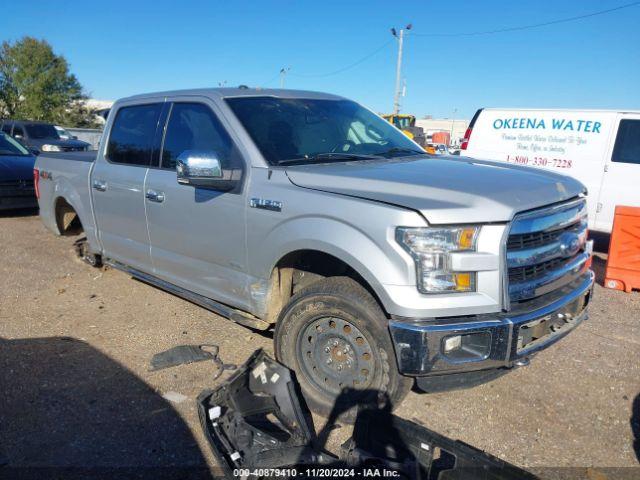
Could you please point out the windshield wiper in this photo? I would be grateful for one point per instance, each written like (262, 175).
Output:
(327, 157)
(400, 150)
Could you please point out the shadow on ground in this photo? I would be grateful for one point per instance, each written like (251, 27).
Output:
(67, 409)
(599, 266)
(635, 425)
(601, 241)
(600, 245)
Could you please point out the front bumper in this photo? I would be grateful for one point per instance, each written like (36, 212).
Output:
(494, 340)
(18, 202)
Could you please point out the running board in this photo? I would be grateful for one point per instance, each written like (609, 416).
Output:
(237, 316)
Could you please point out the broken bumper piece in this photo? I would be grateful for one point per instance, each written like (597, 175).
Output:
(257, 421)
(393, 444)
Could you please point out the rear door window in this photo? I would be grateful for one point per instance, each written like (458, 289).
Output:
(42, 131)
(193, 126)
(627, 147)
(132, 134)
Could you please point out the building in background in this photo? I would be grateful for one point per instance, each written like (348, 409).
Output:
(101, 107)
(92, 135)
(455, 127)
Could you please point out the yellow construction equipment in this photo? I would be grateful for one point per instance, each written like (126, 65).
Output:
(407, 123)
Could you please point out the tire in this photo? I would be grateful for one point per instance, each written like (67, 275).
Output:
(334, 335)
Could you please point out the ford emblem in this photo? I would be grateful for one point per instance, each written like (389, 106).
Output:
(569, 244)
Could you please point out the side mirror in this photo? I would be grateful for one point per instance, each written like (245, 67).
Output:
(17, 136)
(74, 137)
(203, 169)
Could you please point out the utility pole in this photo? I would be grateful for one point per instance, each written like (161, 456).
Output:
(283, 73)
(453, 121)
(398, 90)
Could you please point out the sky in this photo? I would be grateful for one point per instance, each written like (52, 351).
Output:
(120, 48)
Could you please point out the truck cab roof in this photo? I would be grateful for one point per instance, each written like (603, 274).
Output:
(237, 92)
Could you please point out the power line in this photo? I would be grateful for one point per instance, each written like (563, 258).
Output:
(348, 67)
(265, 84)
(463, 34)
(526, 27)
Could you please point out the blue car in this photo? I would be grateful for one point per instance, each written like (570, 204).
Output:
(16, 175)
(41, 137)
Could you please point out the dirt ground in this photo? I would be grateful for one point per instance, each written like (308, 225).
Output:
(76, 390)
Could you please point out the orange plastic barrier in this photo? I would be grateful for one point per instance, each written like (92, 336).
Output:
(623, 264)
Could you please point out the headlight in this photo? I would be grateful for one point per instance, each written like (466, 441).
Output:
(431, 249)
(51, 148)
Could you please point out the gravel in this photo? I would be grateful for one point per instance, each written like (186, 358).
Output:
(75, 346)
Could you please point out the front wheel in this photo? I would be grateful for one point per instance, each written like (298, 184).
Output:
(334, 336)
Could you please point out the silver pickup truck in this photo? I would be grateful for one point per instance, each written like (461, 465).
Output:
(376, 264)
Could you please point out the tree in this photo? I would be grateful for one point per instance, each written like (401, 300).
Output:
(78, 114)
(35, 84)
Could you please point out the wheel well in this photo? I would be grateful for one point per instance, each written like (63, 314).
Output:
(301, 268)
(67, 219)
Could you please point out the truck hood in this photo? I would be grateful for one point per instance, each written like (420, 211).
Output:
(16, 167)
(445, 189)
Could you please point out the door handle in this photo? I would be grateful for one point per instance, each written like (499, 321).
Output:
(100, 185)
(154, 196)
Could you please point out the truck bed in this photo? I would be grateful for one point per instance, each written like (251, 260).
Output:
(73, 156)
(65, 177)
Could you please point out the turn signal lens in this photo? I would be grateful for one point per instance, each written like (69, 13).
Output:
(467, 238)
(36, 182)
(464, 282)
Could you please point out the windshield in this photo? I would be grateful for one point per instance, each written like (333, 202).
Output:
(317, 131)
(9, 146)
(41, 130)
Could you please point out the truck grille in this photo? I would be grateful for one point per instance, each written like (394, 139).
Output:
(73, 149)
(546, 249)
(527, 240)
(537, 239)
(531, 272)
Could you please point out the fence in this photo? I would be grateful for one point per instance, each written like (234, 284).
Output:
(90, 135)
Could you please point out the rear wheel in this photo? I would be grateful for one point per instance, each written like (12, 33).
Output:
(334, 336)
